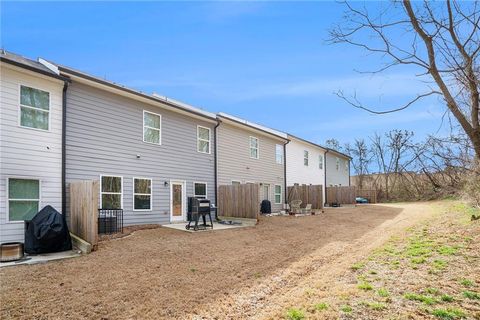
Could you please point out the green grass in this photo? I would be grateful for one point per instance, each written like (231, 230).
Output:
(377, 306)
(466, 282)
(418, 260)
(432, 291)
(357, 266)
(364, 285)
(295, 314)
(446, 298)
(382, 292)
(448, 314)
(471, 295)
(321, 306)
(439, 264)
(428, 300)
(346, 309)
(447, 250)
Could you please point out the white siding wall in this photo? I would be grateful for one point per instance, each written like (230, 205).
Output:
(297, 172)
(340, 176)
(28, 153)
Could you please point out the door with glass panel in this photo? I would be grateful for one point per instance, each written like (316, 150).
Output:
(266, 191)
(177, 205)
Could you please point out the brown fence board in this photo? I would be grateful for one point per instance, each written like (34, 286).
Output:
(84, 210)
(239, 201)
(308, 194)
(341, 195)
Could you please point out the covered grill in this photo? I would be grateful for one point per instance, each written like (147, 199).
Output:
(198, 207)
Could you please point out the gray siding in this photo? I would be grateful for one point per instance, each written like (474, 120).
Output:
(105, 135)
(234, 162)
(28, 153)
(337, 177)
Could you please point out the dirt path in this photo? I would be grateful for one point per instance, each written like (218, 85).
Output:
(319, 271)
(232, 274)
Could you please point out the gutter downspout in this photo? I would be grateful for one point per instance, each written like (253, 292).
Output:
(64, 129)
(285, 171)
(325, 169)
(215, 166)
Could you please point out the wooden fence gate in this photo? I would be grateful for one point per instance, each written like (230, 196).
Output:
(239, 201)
(84, 210)
(340, 195)
(309, 194)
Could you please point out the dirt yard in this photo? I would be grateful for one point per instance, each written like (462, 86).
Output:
(253, 272)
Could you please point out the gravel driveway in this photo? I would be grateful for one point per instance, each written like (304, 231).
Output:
(162, 273)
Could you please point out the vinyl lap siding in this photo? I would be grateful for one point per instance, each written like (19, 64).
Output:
(234, 162)
(336, 177)
(105, 135)
(28, 153)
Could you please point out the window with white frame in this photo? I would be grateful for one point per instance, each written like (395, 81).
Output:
(279, 153)
(346, 165)
(337, 163)
(236, 183)
(142, 194)
(111, 192)
(254, 148)
(34, 108)
(278, 194)
(152, 127)
(200, 190)
(203, 139)
(23, 199)
(305, 158)
(320, 162)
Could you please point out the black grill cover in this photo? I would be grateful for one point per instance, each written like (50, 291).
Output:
(266, 207)
(47, 232)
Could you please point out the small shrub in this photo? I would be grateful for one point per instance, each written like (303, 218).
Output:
(471, 295)
(448, 314)
(446, 298)
(364, 285)
(321, 306)
(346, 309)
(382, 292)
(295, 314)
(428, 300)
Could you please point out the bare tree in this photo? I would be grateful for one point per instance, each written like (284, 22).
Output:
(361, 159)
(444, 44)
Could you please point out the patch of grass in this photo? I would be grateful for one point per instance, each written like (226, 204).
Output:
(193, 270)
(364, 285)
(257, 275)
(357, 266)
(419, 247)
(295, 314)
(418, 260)
(382, 292)
(466, 282)
(321, 306)
(428, 300)
(447, 250)
(440, 264)
(446, 298)
(432, 291)
(471, 295)
(377, 306)
(448, 314)
(346, 309)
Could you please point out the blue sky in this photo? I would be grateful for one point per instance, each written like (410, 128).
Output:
(263, 61)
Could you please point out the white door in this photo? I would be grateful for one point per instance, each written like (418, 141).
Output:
(177, 201)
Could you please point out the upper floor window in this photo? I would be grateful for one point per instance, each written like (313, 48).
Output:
(346, 165)
(203, 139)
(305, 158)
(23, 199)
(200, 190)
(152, 127)
(337, 163)
(34, 108)
(320, 162)
(279, 153)
(254, 148)
(111, 192)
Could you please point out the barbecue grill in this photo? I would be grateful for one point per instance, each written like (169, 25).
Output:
(198, 207)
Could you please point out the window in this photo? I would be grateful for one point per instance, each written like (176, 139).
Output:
(203, 139)
(249, 182)
(200, 190)
(23, 199)
(346, 165)
(279, 153)
(111, 192)
(305, 158)
(152, 127)
(236, 183)
(34, 108)
(278, 194)
(320, 162)
(266, 191)
(337, 163)
(142, 194)
(254, 148)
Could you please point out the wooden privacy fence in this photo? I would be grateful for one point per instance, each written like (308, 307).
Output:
(84, 210)
(341, 195)
(308, 194)
(369, 194)
(239, 201)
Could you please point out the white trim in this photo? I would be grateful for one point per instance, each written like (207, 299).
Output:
(49, 65)
(282, 154)
(269, 191)
(20, 105)
(121, 187)
(254, 125)
(200, 139)
(184, 202)
(206, 188)
(142, 194)
(320, 162)
(158, 129)
(7, 204)
(275, 193)
(307, 152)
(250, 147)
